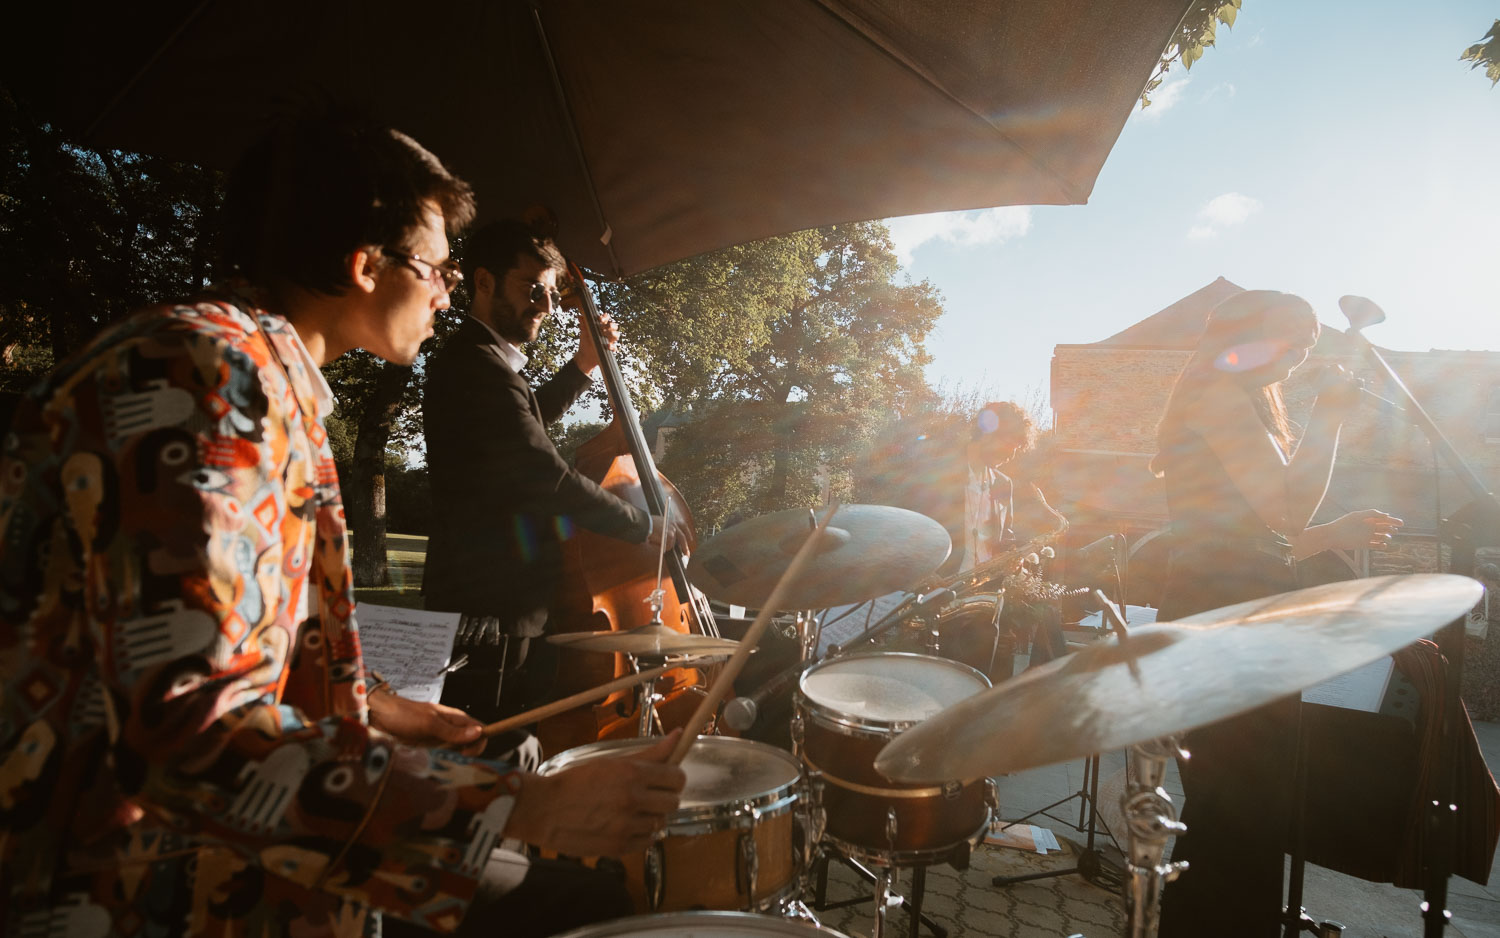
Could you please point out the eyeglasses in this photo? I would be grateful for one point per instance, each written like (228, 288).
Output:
(446, 272)
(540, 291)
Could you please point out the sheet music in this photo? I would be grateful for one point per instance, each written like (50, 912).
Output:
(844, 623)
(409, 647)
(1360, 689)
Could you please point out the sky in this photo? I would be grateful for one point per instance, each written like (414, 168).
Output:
(1321, 147)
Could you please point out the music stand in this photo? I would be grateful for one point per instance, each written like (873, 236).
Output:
(1090, 862)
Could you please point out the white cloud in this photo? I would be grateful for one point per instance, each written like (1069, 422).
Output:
(1166, 95)
(1223, 211)
(964, 229)
(1224, 87)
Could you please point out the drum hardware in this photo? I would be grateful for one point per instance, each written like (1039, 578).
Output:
(704, 925)
(848, 707)
(1151, 820)
(882, 878)
(746, 862)
(649, 724)
(1090, 860)
(1169, 678)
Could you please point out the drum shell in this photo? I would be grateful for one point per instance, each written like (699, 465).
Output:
(944, 816)
(697, 862)
(859, 801)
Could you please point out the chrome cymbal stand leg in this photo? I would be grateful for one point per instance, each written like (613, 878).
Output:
(882, 900)
(647, 725)
(1150, 821)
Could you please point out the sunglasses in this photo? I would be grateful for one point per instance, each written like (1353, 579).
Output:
(540, 292)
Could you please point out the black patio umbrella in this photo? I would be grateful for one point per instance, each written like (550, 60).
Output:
(654, 129)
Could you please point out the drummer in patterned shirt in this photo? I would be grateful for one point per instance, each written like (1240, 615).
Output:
(188, 742)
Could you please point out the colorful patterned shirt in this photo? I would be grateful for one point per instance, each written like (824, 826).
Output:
(179, 754)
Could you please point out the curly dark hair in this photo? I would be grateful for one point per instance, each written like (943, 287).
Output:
(322, 184)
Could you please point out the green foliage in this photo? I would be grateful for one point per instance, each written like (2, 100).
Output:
(86, 236)
(1197, 32)
(829, 345)
(567, 437)
(1486, 54)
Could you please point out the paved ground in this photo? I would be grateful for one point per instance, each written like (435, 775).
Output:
(1367, 910)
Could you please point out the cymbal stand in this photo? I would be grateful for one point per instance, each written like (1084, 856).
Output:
(1150, 821)
(1089, 861)
(648, 724)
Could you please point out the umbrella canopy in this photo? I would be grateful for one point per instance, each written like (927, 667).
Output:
(655, 130)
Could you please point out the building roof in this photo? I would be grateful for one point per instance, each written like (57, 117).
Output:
(1179, 325)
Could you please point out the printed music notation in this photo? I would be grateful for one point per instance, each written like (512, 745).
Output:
(409, 647)
(1361, 689)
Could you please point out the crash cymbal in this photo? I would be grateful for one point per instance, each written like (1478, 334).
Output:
(647, 641)
(1172, 677)
(867, 551)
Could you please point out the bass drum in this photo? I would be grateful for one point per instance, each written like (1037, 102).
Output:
(705, 925)
(848, 709)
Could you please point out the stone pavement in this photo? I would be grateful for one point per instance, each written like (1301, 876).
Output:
(966, 903)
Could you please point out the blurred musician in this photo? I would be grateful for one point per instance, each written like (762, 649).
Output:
(1004, 510)
(1240, 494)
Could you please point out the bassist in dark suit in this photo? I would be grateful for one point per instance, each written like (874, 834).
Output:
(503, 499)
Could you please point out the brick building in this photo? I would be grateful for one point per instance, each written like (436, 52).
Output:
(1107, 397)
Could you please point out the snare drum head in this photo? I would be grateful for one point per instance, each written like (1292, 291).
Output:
(890, 687)
(719, 769)
(705, 925)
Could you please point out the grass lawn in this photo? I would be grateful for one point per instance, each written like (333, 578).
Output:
(405, 554)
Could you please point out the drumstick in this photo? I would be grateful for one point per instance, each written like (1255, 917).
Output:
(568, 703)
(736, 663)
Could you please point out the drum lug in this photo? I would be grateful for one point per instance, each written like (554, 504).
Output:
(654, 873)
(797, 734)
(747, 862)
(813, 817)
(891, 827)
(992, 796)
(952, 790)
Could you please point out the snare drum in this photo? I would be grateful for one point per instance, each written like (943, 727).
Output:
(730, 843)
(848, 709)
(705, 925)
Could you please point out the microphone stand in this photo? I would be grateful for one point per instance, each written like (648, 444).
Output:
(1482, 528)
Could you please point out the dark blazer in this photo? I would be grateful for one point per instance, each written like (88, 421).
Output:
(503, 499)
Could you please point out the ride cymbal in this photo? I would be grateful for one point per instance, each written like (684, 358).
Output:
(867, 551)
(1169, 678)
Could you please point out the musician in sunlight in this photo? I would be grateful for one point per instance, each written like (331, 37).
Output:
(1242, 486)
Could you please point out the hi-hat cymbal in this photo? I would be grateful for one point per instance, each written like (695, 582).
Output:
(867, 551)
(1168, 678)
(647, 641)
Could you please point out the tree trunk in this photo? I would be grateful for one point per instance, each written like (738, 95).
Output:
(366, 507)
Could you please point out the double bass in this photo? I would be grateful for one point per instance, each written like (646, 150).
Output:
(607, 584)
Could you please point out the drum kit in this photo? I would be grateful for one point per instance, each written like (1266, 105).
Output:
(894, 754)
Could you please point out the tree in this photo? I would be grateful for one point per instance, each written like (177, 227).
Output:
(88, 235)
(1197, 32)
(1486, 54)
(843, 348)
